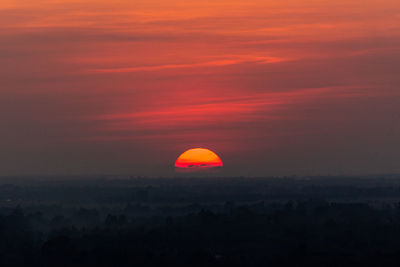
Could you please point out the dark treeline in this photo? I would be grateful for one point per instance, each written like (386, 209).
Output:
(295, 233)
(110, 191)
(195, 222)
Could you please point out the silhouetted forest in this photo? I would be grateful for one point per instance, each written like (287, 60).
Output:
(319, 221)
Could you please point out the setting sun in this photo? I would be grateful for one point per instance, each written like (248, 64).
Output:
(198, 158)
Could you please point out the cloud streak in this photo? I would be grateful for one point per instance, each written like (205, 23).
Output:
(215, 63)
(235, 110)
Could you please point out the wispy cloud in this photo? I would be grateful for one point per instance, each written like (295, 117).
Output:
(215, 63)
(223, 110)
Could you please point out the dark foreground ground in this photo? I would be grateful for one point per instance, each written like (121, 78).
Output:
(123, 221)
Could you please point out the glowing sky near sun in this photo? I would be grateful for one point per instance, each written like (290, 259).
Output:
(278, 87)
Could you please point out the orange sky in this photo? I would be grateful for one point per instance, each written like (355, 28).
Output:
(274, 87)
